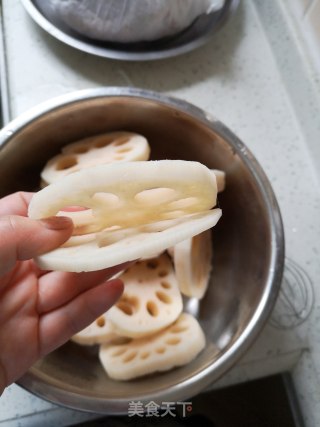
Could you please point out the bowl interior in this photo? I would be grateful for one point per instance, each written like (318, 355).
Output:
(241, 240)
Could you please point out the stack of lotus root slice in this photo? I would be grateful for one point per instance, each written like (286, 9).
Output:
(126, 207)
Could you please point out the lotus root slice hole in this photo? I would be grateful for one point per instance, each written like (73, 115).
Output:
(121, 141)
(103, 142)
(154, 196)
(108, 199)
(144, 355)
(152, 308)
(66, 162)
(160, 350)
(129, 357)
(173, 341)
(177, 329)
(100, 322)
(163, 297)
(165, 285)
(128, 305)
(124, 149)
(81, 149)
(119, 157)
(119, 352)
(152, 264)
(163, 273)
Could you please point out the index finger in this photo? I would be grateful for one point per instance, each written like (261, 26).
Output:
(57, 288)
(16, 203)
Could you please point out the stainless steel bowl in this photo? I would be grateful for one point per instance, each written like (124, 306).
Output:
(248, 240)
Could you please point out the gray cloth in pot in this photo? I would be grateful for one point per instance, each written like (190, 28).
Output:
(129, 20)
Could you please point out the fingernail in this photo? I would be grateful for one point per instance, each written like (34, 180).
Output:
(57, 222)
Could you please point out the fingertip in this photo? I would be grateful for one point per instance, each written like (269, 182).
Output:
(116, 286)
(57, 223)
(58, 325)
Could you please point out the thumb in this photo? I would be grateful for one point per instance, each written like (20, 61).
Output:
(22, 238)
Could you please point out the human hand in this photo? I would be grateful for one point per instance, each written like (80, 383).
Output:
(40, 310)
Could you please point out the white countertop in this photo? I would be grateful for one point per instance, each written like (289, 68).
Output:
(248, 76)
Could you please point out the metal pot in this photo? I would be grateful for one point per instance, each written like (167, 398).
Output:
(248, 240)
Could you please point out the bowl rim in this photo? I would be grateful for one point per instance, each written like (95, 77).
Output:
(191, 386)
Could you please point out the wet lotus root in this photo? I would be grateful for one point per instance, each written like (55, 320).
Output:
(221, 179)
(131, 210)
(192, 263)
(98, 332)
(151, 299)
(106, 148)
(174, 346)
